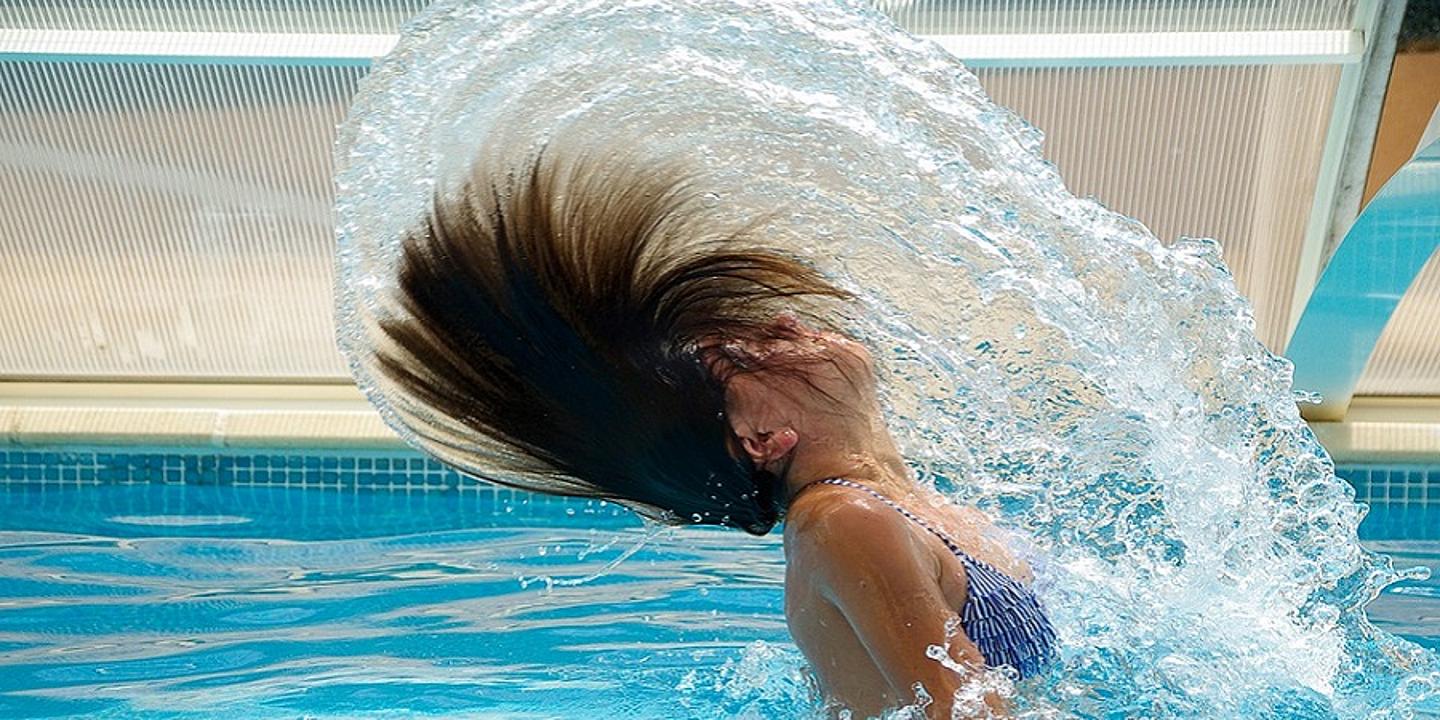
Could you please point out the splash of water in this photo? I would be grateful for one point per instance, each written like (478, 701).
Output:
(1041, 356)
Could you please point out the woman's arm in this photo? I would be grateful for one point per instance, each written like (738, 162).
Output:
(887, 585)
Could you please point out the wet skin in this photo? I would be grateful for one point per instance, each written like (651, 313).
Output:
(867, 591)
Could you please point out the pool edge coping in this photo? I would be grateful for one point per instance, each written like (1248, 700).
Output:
(235, 415)
(337, 416)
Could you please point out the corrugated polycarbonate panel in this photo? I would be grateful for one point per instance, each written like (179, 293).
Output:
(244, 16)
(953, 17)
(1406, 360)
(1229, 152)
(172, 220)
(920, 16)
(167, 220)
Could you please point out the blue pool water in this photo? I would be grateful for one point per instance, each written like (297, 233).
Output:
(217, 599)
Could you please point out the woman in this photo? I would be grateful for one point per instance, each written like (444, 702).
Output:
(584, 319)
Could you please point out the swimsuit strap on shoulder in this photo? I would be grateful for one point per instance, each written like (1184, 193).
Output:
(1001, 616)
(944, 538)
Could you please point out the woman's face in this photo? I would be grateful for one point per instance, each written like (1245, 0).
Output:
(800, 383)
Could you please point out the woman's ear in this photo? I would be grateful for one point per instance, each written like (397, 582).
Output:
(767, 447)
(760, 426)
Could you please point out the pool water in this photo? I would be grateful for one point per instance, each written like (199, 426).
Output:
(193, 601)
(223, 601)
(1409, 533)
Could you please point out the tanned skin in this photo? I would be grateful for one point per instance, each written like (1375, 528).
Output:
(866, 590)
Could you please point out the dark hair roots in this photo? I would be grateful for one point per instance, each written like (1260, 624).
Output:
(549, 329)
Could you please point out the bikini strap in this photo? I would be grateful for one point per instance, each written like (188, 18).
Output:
(912, 517)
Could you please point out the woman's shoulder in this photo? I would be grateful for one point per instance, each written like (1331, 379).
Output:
(839, 541)
(826, 508)
(829, 520)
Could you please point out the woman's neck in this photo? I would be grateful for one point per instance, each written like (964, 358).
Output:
(872, 461)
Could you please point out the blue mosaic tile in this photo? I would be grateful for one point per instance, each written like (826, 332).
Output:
(402, 471)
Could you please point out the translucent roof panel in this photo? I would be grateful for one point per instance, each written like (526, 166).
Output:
(1406, 360)
(918, 16)
(946, 17)
(1230, 152)
(167, 221)
(183, 207)
(256, 16)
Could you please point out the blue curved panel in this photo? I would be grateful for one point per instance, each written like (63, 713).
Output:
(1380, 256)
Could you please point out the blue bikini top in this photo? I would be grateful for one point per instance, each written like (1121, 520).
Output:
(1001, 615)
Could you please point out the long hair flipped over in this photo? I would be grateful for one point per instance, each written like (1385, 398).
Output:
(554, 318)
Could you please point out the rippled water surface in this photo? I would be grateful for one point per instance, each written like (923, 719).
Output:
(241, 602)
(184, 601)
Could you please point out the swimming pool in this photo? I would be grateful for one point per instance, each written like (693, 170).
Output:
(180, 584)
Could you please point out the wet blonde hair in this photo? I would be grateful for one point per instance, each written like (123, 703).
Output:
(559, 307)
